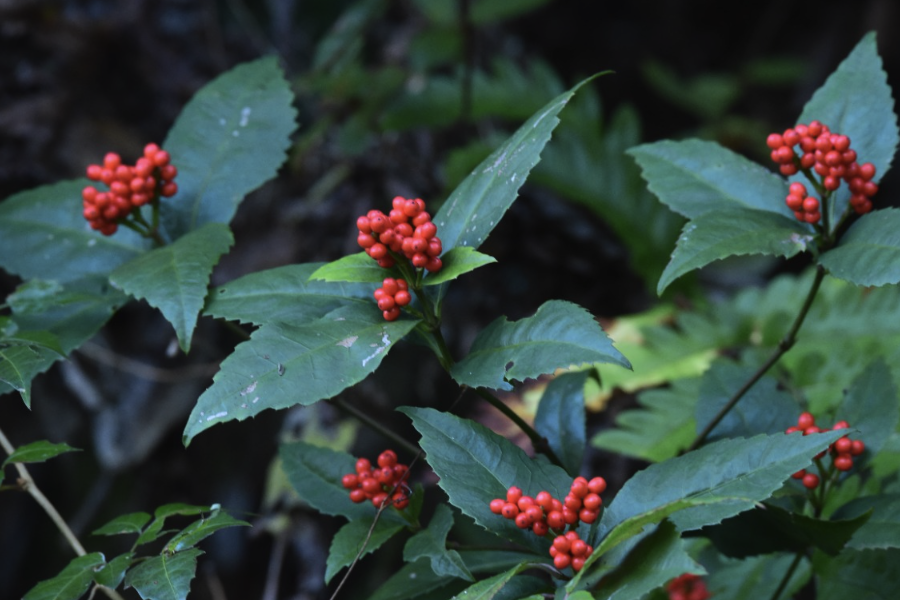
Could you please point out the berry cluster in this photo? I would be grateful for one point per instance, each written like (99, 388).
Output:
(842, 451)
(831, 157)
(544, 512)
(393, 294)
(129, 187)
(569, 549)
(687, 587)
(408, 229)
(378, 484)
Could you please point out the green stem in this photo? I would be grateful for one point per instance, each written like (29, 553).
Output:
(783, 346)
(787, 576)
(376, 426)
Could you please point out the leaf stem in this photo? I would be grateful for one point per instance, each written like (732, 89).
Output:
(27, 484)
(375, 425)
(787, 576)
(784, 345)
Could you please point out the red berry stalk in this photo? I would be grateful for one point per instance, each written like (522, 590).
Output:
(687, 587)
(383, 484)
(129, 188)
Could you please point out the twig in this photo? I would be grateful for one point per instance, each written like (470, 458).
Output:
(787, 576)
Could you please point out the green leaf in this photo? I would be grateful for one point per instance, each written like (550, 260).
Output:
(869, 252)
(43, 235)
(856, 101)
(475, 465)
(458, 261)
(431, 543)
(71, 583)
(746, 470)
(229, 140)
(757, 577)
(285, 365)
(480, 201)
(113, 572)
(130, 523)
(871, 406)
(861, 575)
(763, 409)
(560, 418)
(882, 530)
(353, 268)
(347, 543)
(561, 334)
(414, 580)
(283, 294)
(693, 177)
(486, 589)
(199, 530)
(660, 429)
(154, 530)
(174, 278)
(20, 364)
(37, 452)
(733, 231)
(772, 529)
(164, 577)
(33, 339)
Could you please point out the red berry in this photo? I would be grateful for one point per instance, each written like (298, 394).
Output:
(867, 171)
(510, 510)
(402, 298)
(555, 519)
(540, 528)
(577, 563)
(357, 495)
(379, 499)
(570, 516)
(94, 172)
(524, 520)
(400, 500)
(857, 447)
(588, 516)
(561, 561)
(788, 169)
(544, 500)
(810, 480)
(592, 501)
(169, 189)
(805, 420)
(790, 137)
(810, 205)
(388, 458)
(386, 303)
(843, 462)
(562, 544)
(433, 265)
(578, 548)
(579, 488)
(513, 494)
(377, 250)
(362, 465)
(350, 481)
(362, 223)
(497, 505)
(799, 474)
(525, 502)
(842, 446)
(392, 314)
(774, 141)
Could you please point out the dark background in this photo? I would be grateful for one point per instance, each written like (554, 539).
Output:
(79, 78)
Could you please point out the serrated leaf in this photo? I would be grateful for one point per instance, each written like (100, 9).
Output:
(480, 201)
(39, 451)
(72, 581)
(130, 523)
(748, 470)
(153, 531)
(458, 261)
(733, 231)
(285, 365)
(113, 572)
(693, 177)
(283, 294)
(43, 235)
(20, 364)
(475, 465)
(199, 530)
(353, 268)
(869, 252)
(229, 140)
(561, 334)
(882, 530)
(431, 543)
(174, 278)
(348, 541)
(763, 409)
(490, 587)
(33, 339)
(164, 577)
(770, 529)
(860, 574)
(856, 101)
(871, 406)
(660, 429)
(560, 418)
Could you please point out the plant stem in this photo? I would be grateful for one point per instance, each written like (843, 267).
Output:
(783, 346)
(373, 424)
(787, 576)
(27, 484)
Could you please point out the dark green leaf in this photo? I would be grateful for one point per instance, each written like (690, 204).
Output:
(113, 572)
(348, 542)
(458, 261)
(199, 530)
(285, 365)
(475, 465)
(856, 101)
(229, 140)
(353, 268)
(757, 577)
(859, 574)
(882, 530)
(174, 278)
(491, 561)
(39, 451)
(71, 583)
(487, 589)
(660, 429)
(559, 335)
(431, 543)
(130, 523)
(733, 231)
(772, 529)
(20, 364)
(560, 418)
(414, 580)
(869, 252)
(155, 529)
(871, 406)
(693, 177)
(763, 409)
(33, 339)
(164, 577)
(283, 294)
(43, 235)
